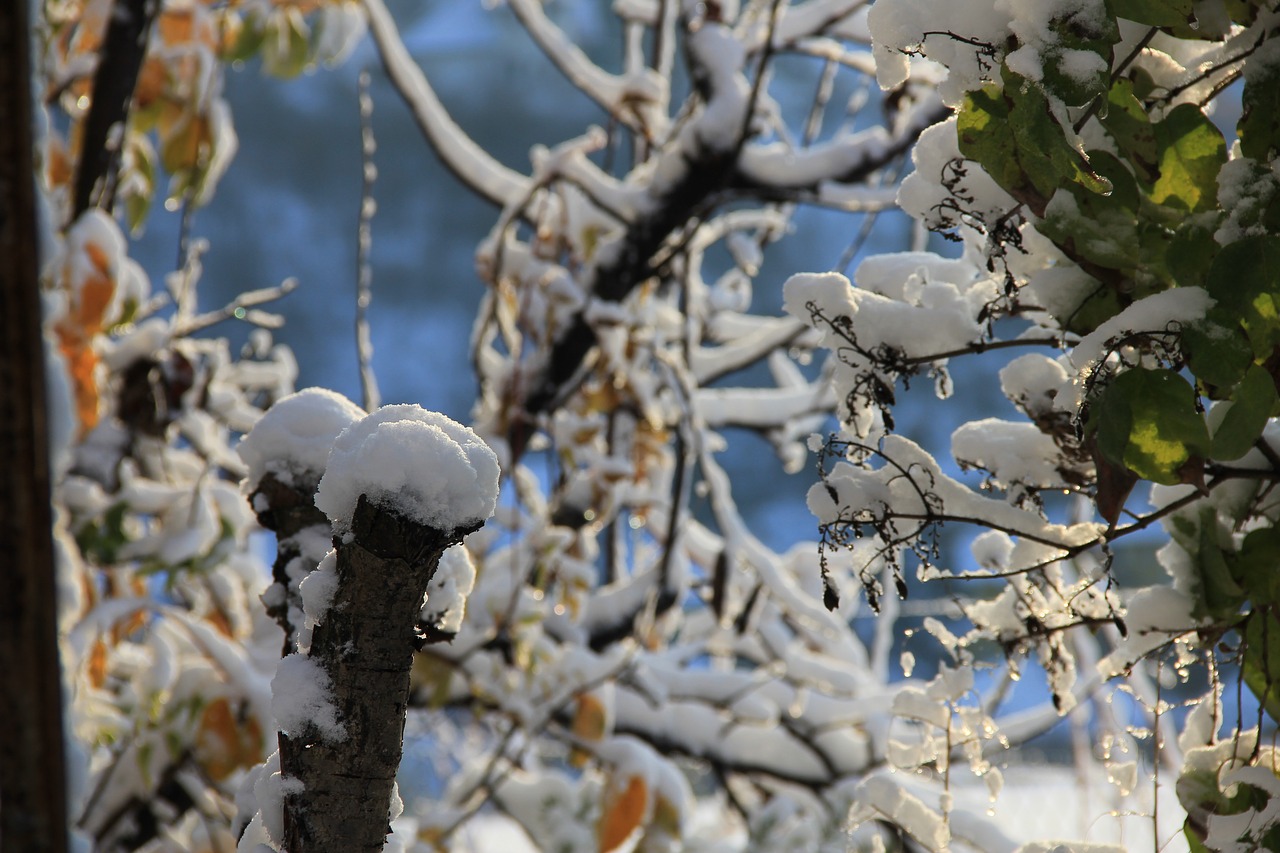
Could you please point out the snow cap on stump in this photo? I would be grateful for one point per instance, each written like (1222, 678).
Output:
(293, 439)
(426, 467)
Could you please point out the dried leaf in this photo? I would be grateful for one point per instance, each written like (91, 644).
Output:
(623, 815)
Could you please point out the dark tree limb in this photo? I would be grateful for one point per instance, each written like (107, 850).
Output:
(289, 511)
(365, 645)
(33, 809)
(123, 47)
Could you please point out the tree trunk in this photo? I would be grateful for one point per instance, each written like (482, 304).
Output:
(33, 810)
(365, 644)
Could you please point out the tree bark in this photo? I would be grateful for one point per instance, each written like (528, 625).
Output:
(123, 47)
(365, 644)
(33, 810)
(290, 510)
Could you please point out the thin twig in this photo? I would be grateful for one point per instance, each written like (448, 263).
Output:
(369, 394)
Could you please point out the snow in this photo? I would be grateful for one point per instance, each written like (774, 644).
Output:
(1032, 381)
(340, 27)
(292, 440)
(1245, 190)
(301, 700)
(1169, 309)
(1014, 452)
(899, 27)
(943, 308)
(971, 194)
(643, 93)
(446, 600)
(1154, 616)
(421, 464)
(883, 796)
(317, 590)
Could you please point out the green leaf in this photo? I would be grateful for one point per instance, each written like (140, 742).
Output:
(1103, 232)
(1075, 36)
(1220, 595)
(1191, 151)
(1147, 421)
(1124, 188)
(1245, 281)
(102, 540)
(1259, 125)
(1217, 352)
(1194, 842)
(1254, 568)
(1012, 132)
(1095, 309)
(1260, 661)
(137, 202)
(1243, 11)
(249, 39)
(1246, 414)
(1192, 249)
(1130, 126)
(1155, 13)
(1048, 159)
(986, 137)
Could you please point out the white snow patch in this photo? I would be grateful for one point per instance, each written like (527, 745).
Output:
(419, 463)
(300, 698)
(292, 440)
(446, 601)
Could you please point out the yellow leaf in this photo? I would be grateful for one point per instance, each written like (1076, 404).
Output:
(185, 146)
(623, 814)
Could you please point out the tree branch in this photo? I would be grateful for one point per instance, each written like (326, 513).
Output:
(469, 163)
(365, 645)
(123, 49)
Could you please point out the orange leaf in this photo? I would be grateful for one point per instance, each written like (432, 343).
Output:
(184, 146)
(151, 82)
(81, 363)
(224, 743)
(623, 815)
(175, 26)
(219, 620)
(590, 720)
(98, 663)
(128, 625)
(589, 723)
(57, 162)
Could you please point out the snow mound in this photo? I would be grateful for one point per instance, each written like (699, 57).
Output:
(292, 440)
(421, 464)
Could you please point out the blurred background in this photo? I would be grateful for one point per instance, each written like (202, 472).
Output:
(288, 208)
